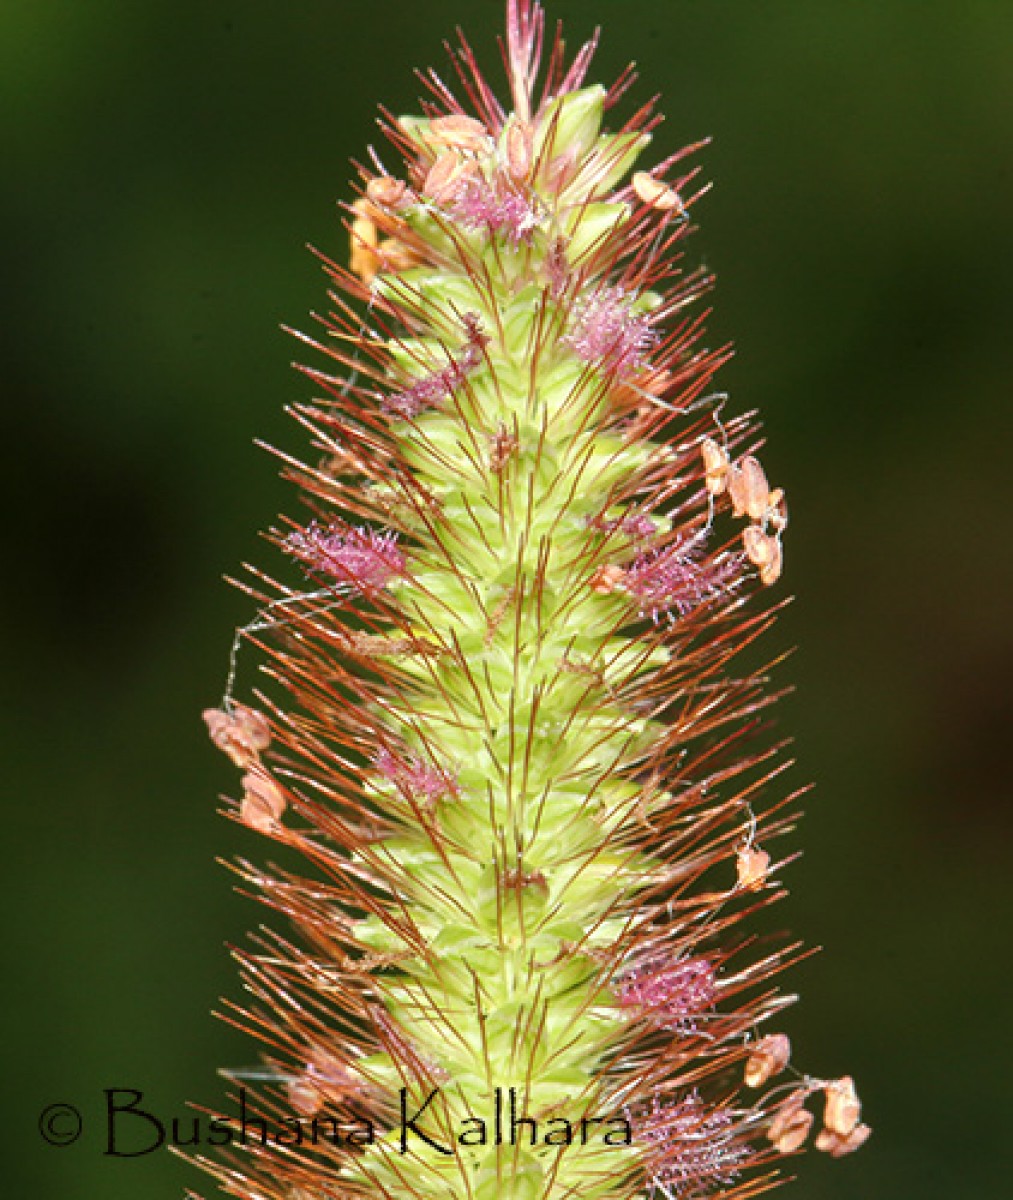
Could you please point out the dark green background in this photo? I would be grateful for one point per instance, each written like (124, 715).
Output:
(164, 162)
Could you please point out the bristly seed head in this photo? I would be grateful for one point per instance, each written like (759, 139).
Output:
(533, 818)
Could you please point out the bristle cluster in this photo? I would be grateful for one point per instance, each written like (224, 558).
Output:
(509, 733)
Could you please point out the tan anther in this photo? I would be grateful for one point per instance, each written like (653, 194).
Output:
(748, 489)
(640, 394)
(263, 802)
(516, 878)
(642, 419)
(324, 1079)
(771, 573)
(498, 614)
(395, 255)
(790, 1126)
(448, 175)
(764, 552)
(241, 733)
(502, 447)
(458, 132)
(380, 646)
(716, 465)
(561, 170)
(767, 1057)
(372, 645)
(759, 546)
(304, 1095)
(843, 1108)
(389, 192)
(363, 239)
(654, 193)
(582, 666)
(607, 578)
(752, 865)
(837, 1145)
(518, 146)
(777, 511)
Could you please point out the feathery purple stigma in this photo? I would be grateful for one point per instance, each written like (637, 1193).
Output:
(415, 777)
(671, 997)
(496, 206)
(674, 580)
(639, 526)
(363, 558)
(691, 1147)
(606, 330)
(431, 390)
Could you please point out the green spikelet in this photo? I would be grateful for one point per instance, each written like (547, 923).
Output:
(512, 748)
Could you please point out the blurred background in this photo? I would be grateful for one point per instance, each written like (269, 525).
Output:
(164, 162)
